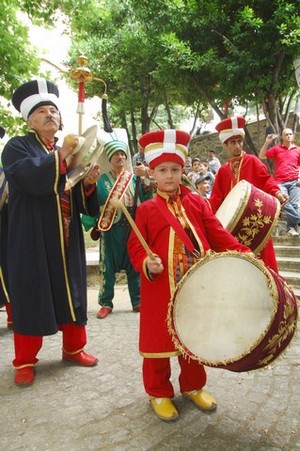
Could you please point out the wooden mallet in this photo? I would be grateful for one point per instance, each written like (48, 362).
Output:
(117, 204)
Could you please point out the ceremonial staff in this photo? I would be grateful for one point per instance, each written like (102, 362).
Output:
(82, 74)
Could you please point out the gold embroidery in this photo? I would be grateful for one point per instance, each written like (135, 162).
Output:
(275, 344)
(253, 224)
(117, 191)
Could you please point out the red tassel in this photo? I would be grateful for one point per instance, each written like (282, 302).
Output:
(81, 92)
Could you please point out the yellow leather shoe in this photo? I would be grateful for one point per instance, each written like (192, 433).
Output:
(201, 399)
(164, 409)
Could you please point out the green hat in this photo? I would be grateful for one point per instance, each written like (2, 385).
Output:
(113, 147)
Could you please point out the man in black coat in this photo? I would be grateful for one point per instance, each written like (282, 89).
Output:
(46, 252)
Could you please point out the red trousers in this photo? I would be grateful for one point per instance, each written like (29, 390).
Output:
(268, 256)
(157, 373)
(8, 313)
(28, 346)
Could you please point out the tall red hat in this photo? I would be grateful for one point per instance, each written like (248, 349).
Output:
(165, 145)
(231, 128)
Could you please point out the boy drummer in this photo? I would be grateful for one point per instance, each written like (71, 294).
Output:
(179, 229)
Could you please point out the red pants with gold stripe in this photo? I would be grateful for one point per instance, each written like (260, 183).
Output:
(28, 346)
(157, 373)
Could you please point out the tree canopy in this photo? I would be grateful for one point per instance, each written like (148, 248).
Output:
(159, 55)
(208, 53)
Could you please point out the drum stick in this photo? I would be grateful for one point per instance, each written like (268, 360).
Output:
(117, 204)
(187, 180)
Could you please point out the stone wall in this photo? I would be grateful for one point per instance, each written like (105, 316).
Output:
(201, 144)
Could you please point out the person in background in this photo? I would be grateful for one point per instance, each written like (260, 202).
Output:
(179, 228)
(113, 227)
(202, 186)
(204, 171)
(243, 166)
(286, 157)
(45, 252)
(195, 172)
(140, 169)
(213, 162)
(4, 296)
(139, 158)
(187, 166)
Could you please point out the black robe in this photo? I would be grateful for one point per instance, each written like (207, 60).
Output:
(4, 297)
(47, 279)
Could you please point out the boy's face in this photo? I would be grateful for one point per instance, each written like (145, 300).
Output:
(203, 187)
(196, 165)
(167, 176)
(202, 168)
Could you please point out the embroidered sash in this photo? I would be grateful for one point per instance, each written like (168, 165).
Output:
(175, 224)
(235, 165)
(109, 212)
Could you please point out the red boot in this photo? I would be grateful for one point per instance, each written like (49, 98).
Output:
(104, 312)
(81, 358)
(24, 376)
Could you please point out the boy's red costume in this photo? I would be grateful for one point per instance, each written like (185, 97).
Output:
(179, 228)
(155, 341)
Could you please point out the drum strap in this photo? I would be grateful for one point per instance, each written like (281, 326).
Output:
(117, 192)
(175, 224)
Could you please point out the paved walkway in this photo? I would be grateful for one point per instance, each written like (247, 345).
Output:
(105, 408)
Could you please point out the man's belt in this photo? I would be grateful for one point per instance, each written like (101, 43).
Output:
(109, 212)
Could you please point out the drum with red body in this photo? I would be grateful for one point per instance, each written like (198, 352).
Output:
(249, 214)
(229, 311)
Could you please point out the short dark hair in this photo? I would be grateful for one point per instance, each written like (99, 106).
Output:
(200, 180)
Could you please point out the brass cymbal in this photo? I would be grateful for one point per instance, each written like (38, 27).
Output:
(80, 163)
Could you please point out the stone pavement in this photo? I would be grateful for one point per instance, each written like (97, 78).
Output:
(105, 408)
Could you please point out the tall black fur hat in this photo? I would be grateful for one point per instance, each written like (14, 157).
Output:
(33, 94)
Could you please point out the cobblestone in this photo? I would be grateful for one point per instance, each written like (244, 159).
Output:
(105, 407)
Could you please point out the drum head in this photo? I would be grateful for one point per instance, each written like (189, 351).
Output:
(223, 307)
(249, 214)
(232, 205)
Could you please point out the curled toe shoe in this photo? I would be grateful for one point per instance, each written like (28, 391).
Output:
(103, 312)
(201, 399)
(24, 376)
(164, 409)
(82, 358)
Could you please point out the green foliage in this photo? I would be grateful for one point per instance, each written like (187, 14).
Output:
(155, 56)
(18, 58)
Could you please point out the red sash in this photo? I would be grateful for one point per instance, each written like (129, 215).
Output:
(175, 224)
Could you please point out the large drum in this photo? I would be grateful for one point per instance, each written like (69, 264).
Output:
(249, 214)
(229, 311)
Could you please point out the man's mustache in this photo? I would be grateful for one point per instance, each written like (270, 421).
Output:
(49, 119)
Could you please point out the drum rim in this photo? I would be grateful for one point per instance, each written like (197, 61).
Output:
(237, 217)
(273, 292)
